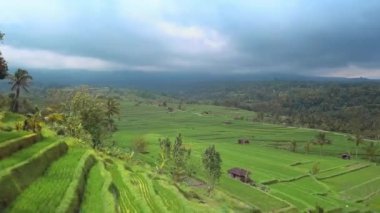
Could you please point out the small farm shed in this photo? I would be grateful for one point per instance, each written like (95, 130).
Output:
(243, 141)
(345, 156)
(241, 174)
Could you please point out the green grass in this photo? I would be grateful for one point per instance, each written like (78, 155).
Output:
(343, 170)
(93, 193)
(150, 197)
(250, 195)
(24, 154)
(266, 156)
(171, 199)
(111, 187)
(46, 193)
(308, 192)
(9, 117)
(127, 200)
(362, 190)
(374, 202)
(97, 196)
(343, 182)
(5, 136)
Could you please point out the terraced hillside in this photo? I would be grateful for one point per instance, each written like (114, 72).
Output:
(55, 174)
(287, 185)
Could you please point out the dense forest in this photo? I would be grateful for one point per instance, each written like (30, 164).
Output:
(351, 107)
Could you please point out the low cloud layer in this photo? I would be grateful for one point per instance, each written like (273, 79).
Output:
(323, 38)
(45, 59)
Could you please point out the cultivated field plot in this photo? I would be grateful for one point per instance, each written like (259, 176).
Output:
(25, 153)
(47, 192)
(286, 174)
(283, 179)
(5, 136)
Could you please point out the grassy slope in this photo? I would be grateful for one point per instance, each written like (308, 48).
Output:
(45, 194)
(5, 136)
(9, 119)
(199, 131)
(97, 196)
(137, 191)
(26, 153)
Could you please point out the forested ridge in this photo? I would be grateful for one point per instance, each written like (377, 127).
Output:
(352, 107)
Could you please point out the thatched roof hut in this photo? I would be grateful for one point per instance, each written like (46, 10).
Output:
(243, 141)
(241, 174)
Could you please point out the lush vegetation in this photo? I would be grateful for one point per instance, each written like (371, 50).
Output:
(174, 160)
(351, 107)
(3, 63)
(282, 177)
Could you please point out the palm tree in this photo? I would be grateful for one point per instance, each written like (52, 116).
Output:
(19, 80)
(293, 146)
(3, 63)
(307, 147)
(3, 68)
(371, 150)
(358, 139)
(112, 109)
(321, 140)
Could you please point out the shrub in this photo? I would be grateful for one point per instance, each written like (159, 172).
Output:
(6, 128)
(293, 146)
(315, 169)
(140, 145)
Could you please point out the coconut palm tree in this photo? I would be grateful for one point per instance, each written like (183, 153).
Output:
(112, 109)
(357, 139)
(293, 146)
(321, 140)
(3, 63)
(19, 80)
(3, 68)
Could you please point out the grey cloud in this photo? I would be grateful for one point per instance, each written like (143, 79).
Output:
(277, 36)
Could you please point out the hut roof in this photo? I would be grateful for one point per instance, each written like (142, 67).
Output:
(238, 171)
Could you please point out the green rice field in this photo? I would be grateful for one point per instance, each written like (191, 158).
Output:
(88, 181)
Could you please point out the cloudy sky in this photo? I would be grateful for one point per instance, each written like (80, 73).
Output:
(324, 38)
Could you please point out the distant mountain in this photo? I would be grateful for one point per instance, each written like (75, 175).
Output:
(158, 80)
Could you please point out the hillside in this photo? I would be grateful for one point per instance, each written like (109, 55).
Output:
(284, 173)
(58, 174)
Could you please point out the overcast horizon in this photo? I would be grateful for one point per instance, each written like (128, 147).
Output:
(338, 38)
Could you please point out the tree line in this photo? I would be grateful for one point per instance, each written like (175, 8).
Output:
(348, 106)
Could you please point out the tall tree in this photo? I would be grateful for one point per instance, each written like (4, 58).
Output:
(293, 146)
(86, 111)
(164, 157)
(112, 109)
(3, 63)
(307, 147)
(357, 139)
(174, 157)
(180, 156)
(321, 140)
(371, 150)
(20, 80)
(212, 164)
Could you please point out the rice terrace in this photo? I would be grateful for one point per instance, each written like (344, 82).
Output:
(282, 180)
(188, 106)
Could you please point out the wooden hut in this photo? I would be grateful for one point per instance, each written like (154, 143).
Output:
(243, 141)
(345, 156)
(241, 174)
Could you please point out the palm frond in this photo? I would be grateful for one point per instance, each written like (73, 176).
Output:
(25, 88)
